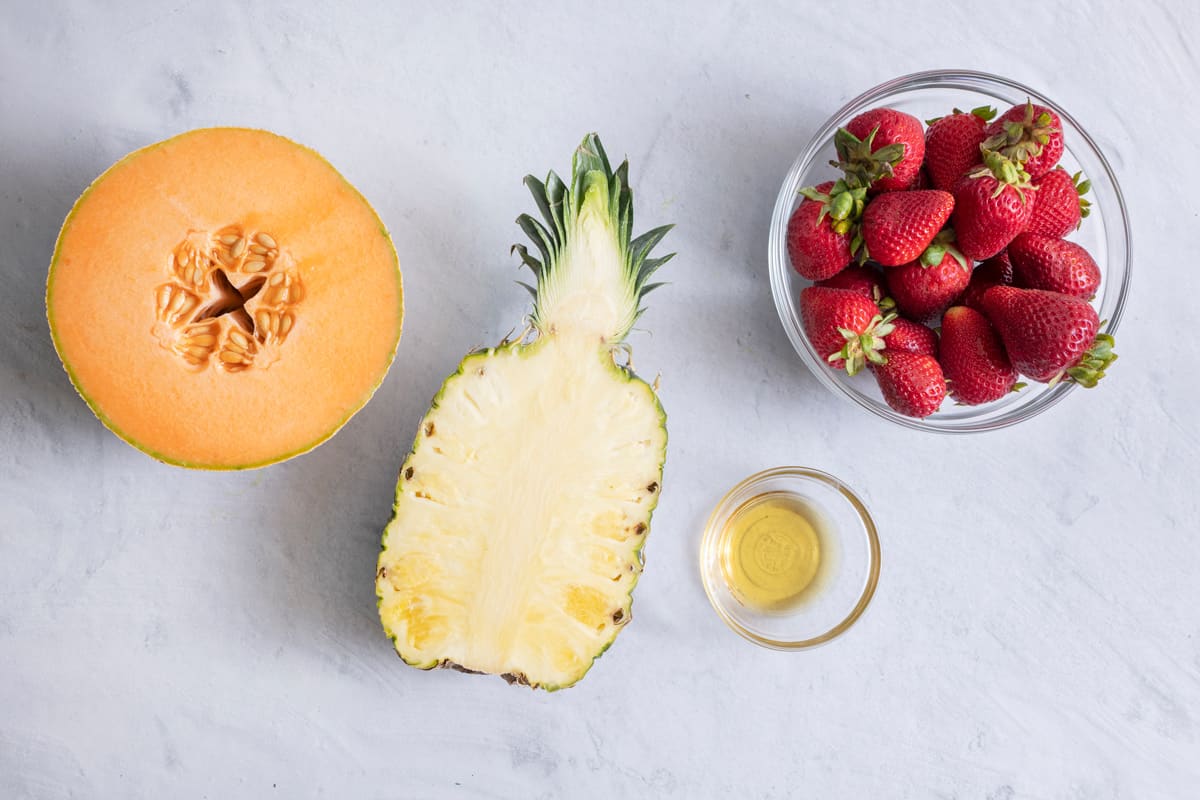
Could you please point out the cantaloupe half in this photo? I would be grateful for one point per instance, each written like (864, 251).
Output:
(224, 299)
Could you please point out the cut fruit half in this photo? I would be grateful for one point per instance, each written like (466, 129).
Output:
(224, 299)
(521, 513)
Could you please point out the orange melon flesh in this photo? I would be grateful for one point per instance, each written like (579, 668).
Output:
(122, 244)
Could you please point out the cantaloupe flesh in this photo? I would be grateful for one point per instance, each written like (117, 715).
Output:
(116, 249)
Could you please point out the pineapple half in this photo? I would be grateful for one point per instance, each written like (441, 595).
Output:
(522, 510)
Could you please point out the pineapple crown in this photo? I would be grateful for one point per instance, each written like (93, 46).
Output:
(591, 273)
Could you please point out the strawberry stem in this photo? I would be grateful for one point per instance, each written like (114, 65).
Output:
(941, 246)
(985, 113)
(866, 346)
(861, 166)
(1006, 172)
(1082, 188)
(1090, 369)
(1022, 140)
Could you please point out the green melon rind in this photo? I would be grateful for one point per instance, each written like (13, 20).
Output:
(108, 423)
(524, 351)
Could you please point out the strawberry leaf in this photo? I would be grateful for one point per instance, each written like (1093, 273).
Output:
(861, 164)
(985, 113)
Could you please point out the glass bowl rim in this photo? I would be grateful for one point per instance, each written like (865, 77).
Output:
(777, 256)
(720, 515)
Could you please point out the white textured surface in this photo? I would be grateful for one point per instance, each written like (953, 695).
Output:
(173, 634)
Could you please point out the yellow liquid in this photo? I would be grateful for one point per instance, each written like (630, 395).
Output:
(771, 551)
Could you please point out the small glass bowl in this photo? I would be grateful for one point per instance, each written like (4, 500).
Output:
(1105, 234)
(850, 552)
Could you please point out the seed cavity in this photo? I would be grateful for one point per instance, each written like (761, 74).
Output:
(228, 302)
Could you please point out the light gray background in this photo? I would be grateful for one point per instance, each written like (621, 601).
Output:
(165, 633)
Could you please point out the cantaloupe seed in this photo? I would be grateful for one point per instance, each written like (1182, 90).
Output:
(194, 327)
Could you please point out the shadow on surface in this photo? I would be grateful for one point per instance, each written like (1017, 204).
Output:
(36, 395)
(328, 509)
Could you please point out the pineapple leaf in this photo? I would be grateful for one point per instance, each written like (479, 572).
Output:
(642, 245)
(527, 259)
(556, 191)
(590, 156)
(542, 200)
(649, 267)
(541, 239)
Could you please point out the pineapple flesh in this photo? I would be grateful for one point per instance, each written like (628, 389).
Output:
(521, 512)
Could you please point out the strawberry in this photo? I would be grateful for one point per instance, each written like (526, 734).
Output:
(1029, 135)
(912, 383)
(820, 231)
(952, 145)
(862, 279)
(991, 206)
(925, 288)
(996, 271)
(898, 226)
(1049, 336)
(881, 149)
(911, 337)
(1058, 203)
(1044, 262)
(844, 327)
(973, 358)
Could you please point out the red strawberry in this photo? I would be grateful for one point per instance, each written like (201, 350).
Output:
(912, 383)
(991, 206)
(996, 271)
(973, 358)
(844, 327)
(856, 278)
(1049, 336)
(819, 232)
(1058, 203)
(922, 291)
(952, 145)
(881, 149)
(898, 226)
(1056, 265)
(1030, 135)
(911, 337)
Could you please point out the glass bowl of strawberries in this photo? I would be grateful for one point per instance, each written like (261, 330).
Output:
(951, 252)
